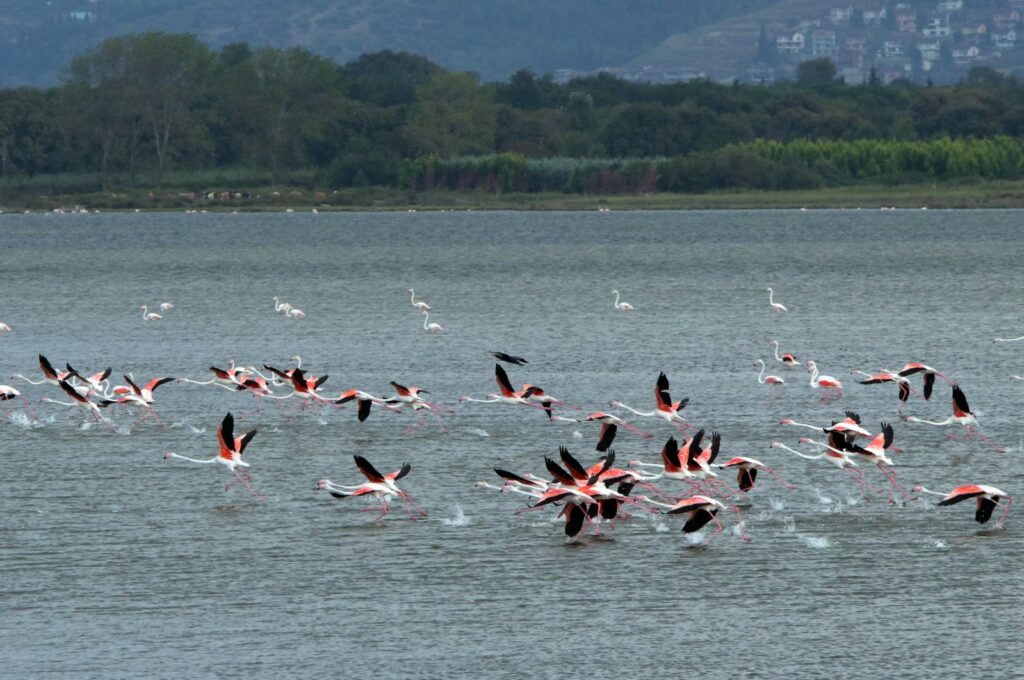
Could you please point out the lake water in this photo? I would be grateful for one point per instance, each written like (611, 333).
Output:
(116, 562)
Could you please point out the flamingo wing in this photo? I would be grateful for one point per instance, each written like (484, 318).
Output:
(960, 407)
(135, 388)
(559, 473)
(698, 518)
(745, 478)
(574, 520)
(501, 377)
(368, 470)
(661, 394)
(606, 436)
(47, 368)
(226, 433)
(904, 391)
(244, 440)
(320, 381)
(572, 465)
(401, 389)
(402, 472)
(157, 382)
(71, 391)
(513, 477)
(670, 455)
(984, 511)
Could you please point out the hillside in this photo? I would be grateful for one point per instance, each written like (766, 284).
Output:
(491, 37)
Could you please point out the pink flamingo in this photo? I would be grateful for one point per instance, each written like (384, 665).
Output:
(229, 454)
(988, 498)
(961, 416)
(826, 382)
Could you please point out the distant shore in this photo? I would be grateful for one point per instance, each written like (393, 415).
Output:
(999, 194)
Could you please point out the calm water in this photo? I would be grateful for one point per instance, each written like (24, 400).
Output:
(115, 562)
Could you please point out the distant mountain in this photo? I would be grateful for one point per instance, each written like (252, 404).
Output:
(491, 37)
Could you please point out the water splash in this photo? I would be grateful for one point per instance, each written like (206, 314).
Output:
(459, 520)
(816, 542)
(577, 434)
(937, 543)
(777, 505)
(480, 433)
(823, 499)
(197, 430)
(22, 420)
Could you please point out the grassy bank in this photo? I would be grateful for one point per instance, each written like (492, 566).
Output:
(995, 194)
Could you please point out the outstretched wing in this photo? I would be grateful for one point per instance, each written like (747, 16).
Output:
(501, 377)
(226, 433)
(367, 469)
(661, 394)
(960, 407)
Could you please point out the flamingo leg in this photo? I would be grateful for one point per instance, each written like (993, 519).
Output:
(739, 525)
(783, 482)
(977, 433)
(1006, 511)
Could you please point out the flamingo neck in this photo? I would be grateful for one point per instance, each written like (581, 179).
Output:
(639, 413)
(760, 376)
(775, 344)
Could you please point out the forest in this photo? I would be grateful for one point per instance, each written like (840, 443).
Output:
(158, 110)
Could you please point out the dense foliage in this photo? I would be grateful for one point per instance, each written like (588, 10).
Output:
(138, 106)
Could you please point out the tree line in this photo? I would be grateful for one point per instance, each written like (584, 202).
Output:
(138, 107)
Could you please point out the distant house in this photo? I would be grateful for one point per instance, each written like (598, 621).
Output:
(936, 27)
(966, 55)
(1005, 40)
(892, 49)
(80, 15)
(855, 43)
(875, 17)
(840, 15)
(849, 60)
(823, 43)
(765, 75)
(682, 75)
(906, 21)
(1006, 20)
(974, 34)
(929, 53)
(950, 5)
(790, 44)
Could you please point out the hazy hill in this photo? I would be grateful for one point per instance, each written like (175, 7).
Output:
(492, 37)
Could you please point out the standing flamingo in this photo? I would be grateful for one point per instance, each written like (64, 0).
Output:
(961, 416)
(622, 306)
(769, 379)
(429, 325)
(787, 359)
(777, 306)
(229, 455)
(988, 498)
(166, 306)
(148, 315)
(826, 382)
(418, 304)
(295, 313)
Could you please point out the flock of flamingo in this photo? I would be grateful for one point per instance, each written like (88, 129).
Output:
(688, 478)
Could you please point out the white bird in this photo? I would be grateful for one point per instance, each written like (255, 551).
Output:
(164, 306)
(624, 306)
(418, 304)
(294, 313)
(429, 325)
(4, 328)
(777, 306)
(148, 315)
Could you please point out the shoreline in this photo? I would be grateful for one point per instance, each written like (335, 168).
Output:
(992, 195)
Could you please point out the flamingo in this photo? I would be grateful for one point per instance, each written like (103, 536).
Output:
(988, 498)
(874, 452)
(295, 313)
(928, 374)
(672, 466)
(505, 394)
(829, 455)
(666, 409)
(49, 374)
(851, 423)
(229, 379)
(148, 315)
(509, 358)
(609, 419)
(887, 376)
(746, 472)
(166, 306)
(700, 511)
(8, 393)
(381, 487)
(365, 402)
(82, 401)
(961, 416)
(95, 381)
(429, 325)
(418, 304)
(826, 382)
(787, 359)
(777, 306)
(4, 328)
(623, 306)
(769, 379)
(229, 454)
(993, 339)
(280, 306)
(410, 396)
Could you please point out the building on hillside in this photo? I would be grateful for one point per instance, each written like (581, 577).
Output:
(930, 52)
(1005, 40)
(974, 34)
(855, 43)
(790, 44)
(966, 55)
(823, 43)
(875, 17)
(840, 16)
(849, 60)
(682, 75)
(892, 49)
(1004, 21)
(936, 27)
(950, 5)
(906, 21)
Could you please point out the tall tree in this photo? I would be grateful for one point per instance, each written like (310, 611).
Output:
(452, 116)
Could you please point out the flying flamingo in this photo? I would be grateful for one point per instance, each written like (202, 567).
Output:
(429, 325)
(381, 487)
(928, 374)
(993, 339)
(988, 498)
(873, 452)
(961, 416)
(777, 306)
(410, 396)
(609, 419)
(887, 376)
(622, 306)
(418, 304)
(851, 423)
(666, 409)
(143, 395)
(701, 510)
(746, 472)
(769, 379)
(49, 374)
(82, 401)
(787, 359)
(672, 465)
(505, 394)
(229, 379)
(148, 315)
(229, 455)
(8, 393)
(95, 381)
(826, 382)
(364, 400)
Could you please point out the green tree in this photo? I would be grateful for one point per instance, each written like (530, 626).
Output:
(452, 116)
(820, 71)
